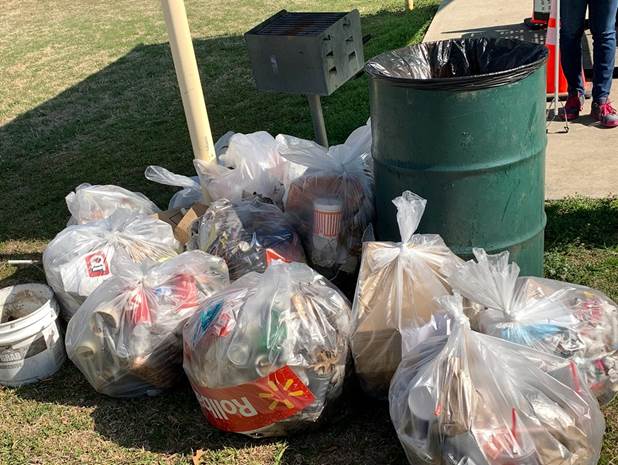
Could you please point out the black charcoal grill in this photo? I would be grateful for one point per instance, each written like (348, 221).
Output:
(311, 54)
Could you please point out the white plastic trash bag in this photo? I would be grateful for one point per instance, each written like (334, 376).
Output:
(190, 193)
(250, 165)
(331, 204)
(564, 319)
(126, 338)
(78, 259)
(395, 296)
(267, 355)
(92, 203)
(475, 399)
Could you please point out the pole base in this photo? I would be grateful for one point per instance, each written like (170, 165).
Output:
(564, 95)
(535, 24)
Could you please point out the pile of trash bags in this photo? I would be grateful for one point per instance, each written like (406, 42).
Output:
(469, 398)
(126, 338)
(479, 365)
(267, 355)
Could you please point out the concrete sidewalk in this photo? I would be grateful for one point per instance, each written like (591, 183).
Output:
(585, 160)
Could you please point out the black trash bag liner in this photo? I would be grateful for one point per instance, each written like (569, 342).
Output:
(461, 64)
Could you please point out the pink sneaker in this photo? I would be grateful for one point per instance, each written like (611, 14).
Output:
(605, 114)
(573, 105)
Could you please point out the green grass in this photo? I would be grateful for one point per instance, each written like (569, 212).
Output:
(88, 94)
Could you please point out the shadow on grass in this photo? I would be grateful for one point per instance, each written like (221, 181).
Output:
(359, 431)
(581, 221)
(107, 128)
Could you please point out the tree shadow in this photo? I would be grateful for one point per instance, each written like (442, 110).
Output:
(107, 129)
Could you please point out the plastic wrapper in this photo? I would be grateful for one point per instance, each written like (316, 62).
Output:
(575, 322)
(459, 64)
(127, 336)
(92, 203)
(394, 300)
(250, 165)
(470, 398)
(78, 259)
(267, 356)
(331, 204)
(248, 234)
(190, 193)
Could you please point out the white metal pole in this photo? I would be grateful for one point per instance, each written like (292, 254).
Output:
(188, 79)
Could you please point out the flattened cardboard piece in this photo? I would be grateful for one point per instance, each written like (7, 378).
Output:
(181, 220)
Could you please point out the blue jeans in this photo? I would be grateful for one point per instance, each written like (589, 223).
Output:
(603, 28)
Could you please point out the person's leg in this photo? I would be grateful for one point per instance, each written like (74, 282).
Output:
(572, 21)
(603, 28)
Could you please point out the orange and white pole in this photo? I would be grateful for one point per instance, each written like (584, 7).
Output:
(188, 79)
(552, 42)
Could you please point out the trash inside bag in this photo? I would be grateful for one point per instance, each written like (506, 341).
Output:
(394, 300)
(250, 165)
(459, 64)
(331, 204)
(475, 399)
(267, 356)
(248, 234)
(190, 193)
(78, 259)
(571, 321)
(127, 336)
(92, 203)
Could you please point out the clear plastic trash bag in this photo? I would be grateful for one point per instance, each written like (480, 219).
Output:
(394, 300)
(190, 193)
(78, 259)
(92, 203)
(126, 338)
(248, 234)
(469, 398)
(572, 321)
(331, 204)
(267, 355)
(249, 165)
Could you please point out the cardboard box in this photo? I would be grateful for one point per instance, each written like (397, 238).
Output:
(181, 220)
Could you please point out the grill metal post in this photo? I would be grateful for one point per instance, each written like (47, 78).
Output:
(319, 128)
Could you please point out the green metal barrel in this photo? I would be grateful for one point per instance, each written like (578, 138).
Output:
(475, 149)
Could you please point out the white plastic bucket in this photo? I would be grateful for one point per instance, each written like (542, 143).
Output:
(31, 346)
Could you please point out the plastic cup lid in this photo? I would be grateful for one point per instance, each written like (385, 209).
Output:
(327, 205)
